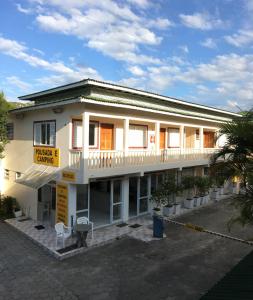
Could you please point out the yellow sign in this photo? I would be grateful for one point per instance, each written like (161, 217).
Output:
(47, 156)
(68, 176)
(62, 203)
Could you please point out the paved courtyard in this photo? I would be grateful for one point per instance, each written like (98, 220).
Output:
(183, 266)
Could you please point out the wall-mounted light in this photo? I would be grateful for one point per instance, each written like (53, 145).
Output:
(58, 110)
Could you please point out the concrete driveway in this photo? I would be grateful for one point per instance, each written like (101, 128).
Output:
(183, 266)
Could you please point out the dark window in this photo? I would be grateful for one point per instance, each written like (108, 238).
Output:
(92, 135)
(10, 131)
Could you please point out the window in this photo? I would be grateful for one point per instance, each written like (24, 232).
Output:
(44, 133)
(138, 136)
(93, 134)
(10, 131)
(78, 134)
(173, 138)
(6, 174)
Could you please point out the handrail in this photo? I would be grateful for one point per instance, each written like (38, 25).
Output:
(101, 159)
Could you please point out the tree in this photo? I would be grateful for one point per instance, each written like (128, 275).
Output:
(237, 160)
(4, 107)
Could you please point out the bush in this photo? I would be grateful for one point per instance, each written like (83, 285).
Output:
(8, 206)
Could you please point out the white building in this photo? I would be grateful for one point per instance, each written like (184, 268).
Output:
(98, 149)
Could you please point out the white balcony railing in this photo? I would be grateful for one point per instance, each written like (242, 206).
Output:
(117, 159)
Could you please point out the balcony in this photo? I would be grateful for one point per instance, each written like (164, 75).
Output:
(103, 160)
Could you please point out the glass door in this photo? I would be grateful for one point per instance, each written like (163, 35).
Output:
(82, 200)
(143, 195)
(116, 201)
(133, 196)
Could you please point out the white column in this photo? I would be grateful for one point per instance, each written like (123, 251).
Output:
(182, 137)
(157, 137)
(126, 135)
(85, 152)
(201, 138)
(125, 199)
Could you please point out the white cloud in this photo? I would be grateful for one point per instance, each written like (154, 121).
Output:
(209, 43)
(248, 5)
(224, 78)
(64, 73)
(160, 23)
(23, 10)
(110, 27)
(184, 48)
(136, 71)
(202, 21)
(241, 39)
(140, 3)
(15, 81)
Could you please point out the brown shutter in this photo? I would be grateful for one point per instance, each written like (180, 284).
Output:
(106, 137)
(162, 138)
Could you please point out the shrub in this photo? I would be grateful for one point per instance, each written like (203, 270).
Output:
(8, 206)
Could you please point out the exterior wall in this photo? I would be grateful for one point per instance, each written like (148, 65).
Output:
(19, 152)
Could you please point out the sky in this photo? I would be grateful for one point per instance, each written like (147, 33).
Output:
(197, 50)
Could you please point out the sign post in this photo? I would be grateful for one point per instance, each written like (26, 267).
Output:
(62, 203)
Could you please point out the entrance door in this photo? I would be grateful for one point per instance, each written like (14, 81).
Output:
(47, 204)
(162, 138)
(116, 200)
(106, 137)
(138, 195)
(143, 195)
(208, 139)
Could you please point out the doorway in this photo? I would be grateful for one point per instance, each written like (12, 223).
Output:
(105, 202)
(162, 138)
(138, 195)
(47, 204)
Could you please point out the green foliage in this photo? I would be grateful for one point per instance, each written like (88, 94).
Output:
(166, 191)
(237, 155)
(8, 205)
(202, 183)
(4, 107)
(238, 150)
(188, 184)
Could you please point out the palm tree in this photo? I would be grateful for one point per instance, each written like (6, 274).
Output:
(235, 158)
(237, 153)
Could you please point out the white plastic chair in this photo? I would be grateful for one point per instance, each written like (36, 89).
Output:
(85, 220)
(62, 231)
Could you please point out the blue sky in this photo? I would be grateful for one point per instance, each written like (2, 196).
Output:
(197, 50)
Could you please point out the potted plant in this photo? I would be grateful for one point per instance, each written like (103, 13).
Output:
(157, 199)
(163, 197)
(178, 200)
(203, 185)
(188, 184)
(170, 189)
(220, 183)
(168, 207)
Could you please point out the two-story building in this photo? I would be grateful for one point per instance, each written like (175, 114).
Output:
(98, 149)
